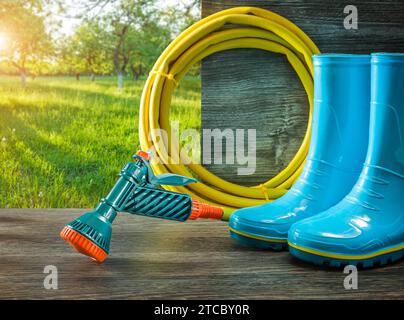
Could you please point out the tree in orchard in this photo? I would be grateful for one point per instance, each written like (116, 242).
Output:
(87, 50)
(126, 19)
(28, 43)
(161, 27)
(146, 45)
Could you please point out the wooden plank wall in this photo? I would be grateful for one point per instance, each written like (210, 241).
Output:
(245, 88)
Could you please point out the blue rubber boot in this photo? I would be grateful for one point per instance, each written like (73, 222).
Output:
(367, 227)
(336, 154)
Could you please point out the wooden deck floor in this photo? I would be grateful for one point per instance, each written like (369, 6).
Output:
(157, 259)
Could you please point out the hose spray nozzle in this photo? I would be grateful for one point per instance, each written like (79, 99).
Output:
(137, 191)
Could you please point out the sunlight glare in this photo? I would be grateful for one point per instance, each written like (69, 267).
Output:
(3, 41)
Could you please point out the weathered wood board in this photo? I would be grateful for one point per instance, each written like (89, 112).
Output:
(159, 259)
(252, 89)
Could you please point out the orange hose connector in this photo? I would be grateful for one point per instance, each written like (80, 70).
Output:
(205, 211)
(143, 154)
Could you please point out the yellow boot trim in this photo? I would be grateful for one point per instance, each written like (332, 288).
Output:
(257, 237)
(348, 257)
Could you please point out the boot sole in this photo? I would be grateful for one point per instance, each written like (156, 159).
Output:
(320, 258)
(250, 240)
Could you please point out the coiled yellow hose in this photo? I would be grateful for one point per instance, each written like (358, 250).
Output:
(255, 28)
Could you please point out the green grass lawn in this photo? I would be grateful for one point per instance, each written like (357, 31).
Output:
(62, 141)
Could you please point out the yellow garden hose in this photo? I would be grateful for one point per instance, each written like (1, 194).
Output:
(255, 28)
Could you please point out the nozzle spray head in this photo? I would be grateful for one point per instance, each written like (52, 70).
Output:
(90, 234)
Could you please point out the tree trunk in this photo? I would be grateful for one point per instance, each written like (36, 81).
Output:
(120, 68)
(140, 71)
(135, 75)
(92, 77)
(120, 80)
(137, 72)
(77, 76)
(133, 71)
(23, 78)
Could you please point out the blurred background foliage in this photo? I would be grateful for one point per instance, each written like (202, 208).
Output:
(89, 37)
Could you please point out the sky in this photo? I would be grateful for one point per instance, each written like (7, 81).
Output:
(69, 24)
